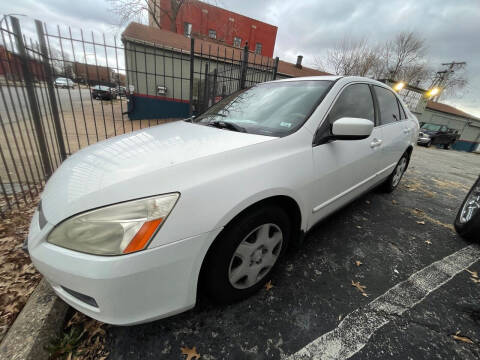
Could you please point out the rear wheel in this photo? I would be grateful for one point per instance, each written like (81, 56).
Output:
(467, 222)
(394, 179)
(428, 144)
(245, 254)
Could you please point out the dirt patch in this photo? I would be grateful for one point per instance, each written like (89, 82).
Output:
(421, 214)
(414, 185)
(18, 277)
(449, 184)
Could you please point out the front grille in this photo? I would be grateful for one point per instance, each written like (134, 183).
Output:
(85, 298)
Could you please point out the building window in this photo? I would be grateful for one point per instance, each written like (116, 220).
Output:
(187, 29)
(258, 48)
(212, 34)
(237, 41)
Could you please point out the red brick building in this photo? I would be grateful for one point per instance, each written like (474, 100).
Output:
(202, 20)
(11, 66)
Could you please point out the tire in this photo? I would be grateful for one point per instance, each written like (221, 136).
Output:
(469, 228)
(239, 249)
(428, 144)
(394, 179)
(446, 146)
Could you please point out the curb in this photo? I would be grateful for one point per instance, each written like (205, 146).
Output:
(38, 323)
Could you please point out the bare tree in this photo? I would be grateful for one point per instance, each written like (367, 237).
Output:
(405, 51)
(350, 57)
(136, 10)
(401, 58)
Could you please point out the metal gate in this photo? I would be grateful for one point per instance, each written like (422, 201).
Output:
(50, 85)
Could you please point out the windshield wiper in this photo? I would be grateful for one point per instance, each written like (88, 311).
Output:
(226, 125)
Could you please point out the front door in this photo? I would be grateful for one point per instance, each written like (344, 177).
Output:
(345, 168)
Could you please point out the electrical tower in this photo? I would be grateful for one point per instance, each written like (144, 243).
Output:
(441, 77)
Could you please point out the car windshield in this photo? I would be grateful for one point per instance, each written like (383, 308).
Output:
(431, 127)
(273, 109)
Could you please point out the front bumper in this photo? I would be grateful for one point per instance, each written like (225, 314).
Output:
(127, 289)
(423, 140)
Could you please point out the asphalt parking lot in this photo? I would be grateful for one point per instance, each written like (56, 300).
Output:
(378, 241)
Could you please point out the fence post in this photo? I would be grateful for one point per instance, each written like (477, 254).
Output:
(206, 89)
(192, 59)
(275, 68)
(27, 77)
(243, 67)
(214, 89)
(51, 91)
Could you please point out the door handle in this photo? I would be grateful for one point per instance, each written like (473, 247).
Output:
(375, 143)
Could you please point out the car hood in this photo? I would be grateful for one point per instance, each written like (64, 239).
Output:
(134, 165)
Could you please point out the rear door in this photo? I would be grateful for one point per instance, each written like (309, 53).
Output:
(395, 127)
(345, 168)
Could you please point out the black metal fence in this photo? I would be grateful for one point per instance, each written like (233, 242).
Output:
(62, 90)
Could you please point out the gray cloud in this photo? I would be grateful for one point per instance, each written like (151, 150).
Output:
(311, 27)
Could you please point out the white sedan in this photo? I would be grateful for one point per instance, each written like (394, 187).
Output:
(130, 229)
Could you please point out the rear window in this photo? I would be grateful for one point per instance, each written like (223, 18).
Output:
(388, 104)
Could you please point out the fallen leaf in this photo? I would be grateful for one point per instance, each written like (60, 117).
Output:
(394, 202)
(360, 287)
(359, 227)
(476, 281)
(428, 242)
(365, 294)
(367, 202)
(268, 285)
(462, 338)
(358, 263)
(473, 273)
(421, 222)
(340, 317)
(191, 353)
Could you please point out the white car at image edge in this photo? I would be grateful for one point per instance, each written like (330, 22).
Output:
(130, 229)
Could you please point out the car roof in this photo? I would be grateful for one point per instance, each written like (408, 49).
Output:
(347, 79)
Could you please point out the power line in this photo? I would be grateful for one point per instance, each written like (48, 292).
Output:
(441, 77)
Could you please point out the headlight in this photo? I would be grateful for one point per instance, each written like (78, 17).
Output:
(115, 229)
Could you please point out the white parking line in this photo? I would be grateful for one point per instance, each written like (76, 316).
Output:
(354, 331)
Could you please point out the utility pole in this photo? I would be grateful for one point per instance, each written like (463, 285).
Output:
(442, 77)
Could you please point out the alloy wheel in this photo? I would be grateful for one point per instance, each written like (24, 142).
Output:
(471, 206)
(255, 256)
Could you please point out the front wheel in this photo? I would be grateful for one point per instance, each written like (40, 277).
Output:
(467, 222)
(394, 179)
(245, 254)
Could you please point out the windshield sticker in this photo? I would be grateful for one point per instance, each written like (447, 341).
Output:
(285, 124)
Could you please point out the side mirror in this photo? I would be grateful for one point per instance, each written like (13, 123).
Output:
(351, 129)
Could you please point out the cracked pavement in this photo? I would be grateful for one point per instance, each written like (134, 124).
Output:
(392, 235)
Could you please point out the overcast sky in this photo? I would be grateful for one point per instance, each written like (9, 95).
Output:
(451, 28)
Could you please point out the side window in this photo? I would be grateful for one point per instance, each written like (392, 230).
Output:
(354, 101)
(388, 105)
(403, 115)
